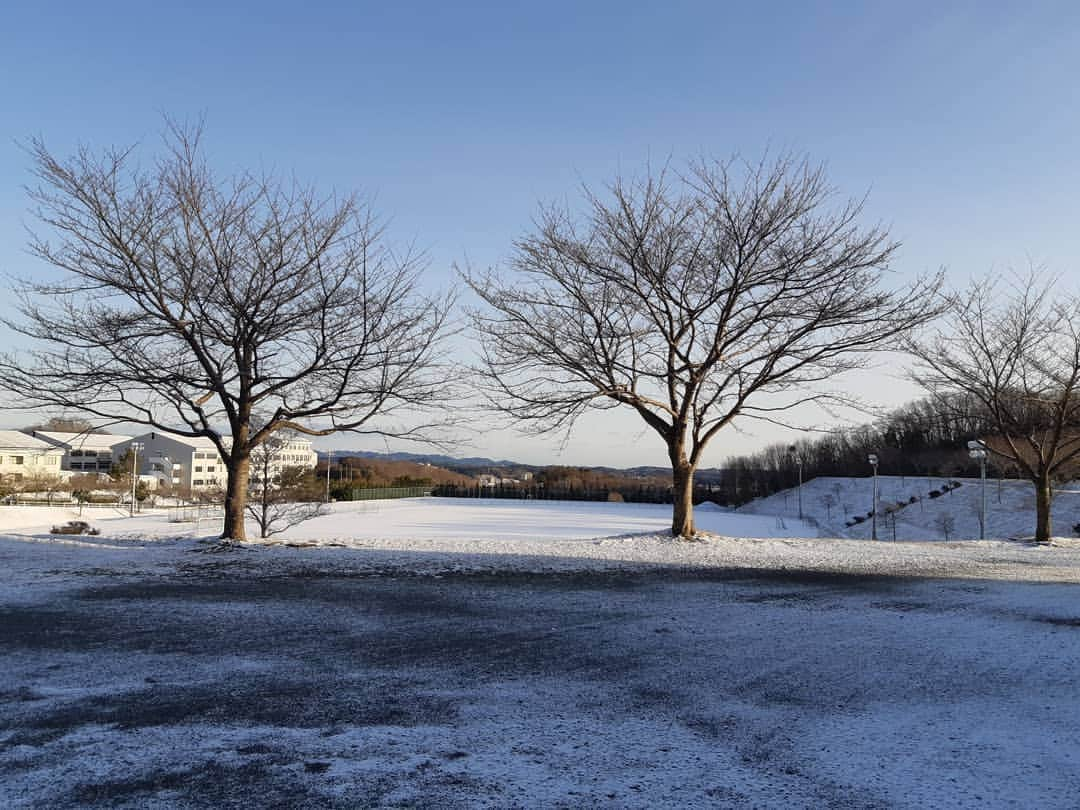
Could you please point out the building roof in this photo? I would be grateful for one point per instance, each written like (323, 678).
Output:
(17, 440)
(81, 440)
(195, 442)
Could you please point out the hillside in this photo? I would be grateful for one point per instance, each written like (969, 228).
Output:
(833, 501)
(366, 471)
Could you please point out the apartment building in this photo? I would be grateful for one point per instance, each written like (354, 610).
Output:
(23, 456)
(85, 452)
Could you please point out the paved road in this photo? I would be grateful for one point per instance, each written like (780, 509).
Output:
(562, 690)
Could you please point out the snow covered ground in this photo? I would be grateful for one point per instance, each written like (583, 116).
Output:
(456, 653)
(464, 534)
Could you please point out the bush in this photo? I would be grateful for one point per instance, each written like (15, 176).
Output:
(935, 493)
(913, 499)
(1076, 529)
(856, 519)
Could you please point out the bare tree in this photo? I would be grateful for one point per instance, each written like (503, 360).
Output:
(205, 305)
(64, 424)
(1017, 353)
(828, 500)
(730, 291)
(946, 523)
(281, 496)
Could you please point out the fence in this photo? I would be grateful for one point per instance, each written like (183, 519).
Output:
(196, 513)
(628, 493)
(380, 493)
(12, 500)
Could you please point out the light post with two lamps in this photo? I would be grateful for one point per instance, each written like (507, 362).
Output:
(873, 459)
(977, 450)
(798, 463)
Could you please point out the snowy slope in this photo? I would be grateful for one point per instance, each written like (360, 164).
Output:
(1010, 507)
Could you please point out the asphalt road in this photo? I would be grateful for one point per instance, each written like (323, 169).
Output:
(519, 690)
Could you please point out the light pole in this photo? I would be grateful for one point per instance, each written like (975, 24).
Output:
(977, 450)
(872, 458)
(798, 463)
(135, 448)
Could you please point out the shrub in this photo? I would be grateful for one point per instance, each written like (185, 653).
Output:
(935, 493)
(913, 499)
(1076, 529)
(856, 519)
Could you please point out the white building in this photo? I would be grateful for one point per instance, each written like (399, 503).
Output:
(183, 462)
(194, 463)
(284, 452)
(23, 456)
(85, 452)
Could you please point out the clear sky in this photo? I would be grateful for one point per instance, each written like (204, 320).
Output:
(961, 119)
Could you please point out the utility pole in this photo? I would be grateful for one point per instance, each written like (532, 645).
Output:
(135, 448)
(873, 459)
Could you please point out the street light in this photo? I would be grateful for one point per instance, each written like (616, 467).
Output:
(872, 458)
(798, 463)
(977, 450)
(135, 448)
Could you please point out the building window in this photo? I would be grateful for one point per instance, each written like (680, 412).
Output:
(15, 459)
(198, 469)
(198, 482)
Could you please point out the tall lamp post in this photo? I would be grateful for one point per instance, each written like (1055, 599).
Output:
(872, 458)
(977, 450)
(798, 463)
(135, 448)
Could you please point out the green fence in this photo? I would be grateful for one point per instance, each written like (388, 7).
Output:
(380, 493)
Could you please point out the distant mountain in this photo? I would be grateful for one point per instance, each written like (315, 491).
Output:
(429, 458)
(479, 462)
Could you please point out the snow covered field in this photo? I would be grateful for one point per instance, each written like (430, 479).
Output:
(455, 653)
(464, 534)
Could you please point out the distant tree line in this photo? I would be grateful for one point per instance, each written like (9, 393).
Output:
(927, 437)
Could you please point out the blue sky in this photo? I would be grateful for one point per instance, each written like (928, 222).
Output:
(961, 119)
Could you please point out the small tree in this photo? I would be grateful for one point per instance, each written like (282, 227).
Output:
(217, 304)
(730, 291)
(1017, 354)
(280, 497)
(946, 523)
(828, 500)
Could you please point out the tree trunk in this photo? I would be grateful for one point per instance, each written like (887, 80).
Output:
(682, 523)
(236, 496)
(1043, 500)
